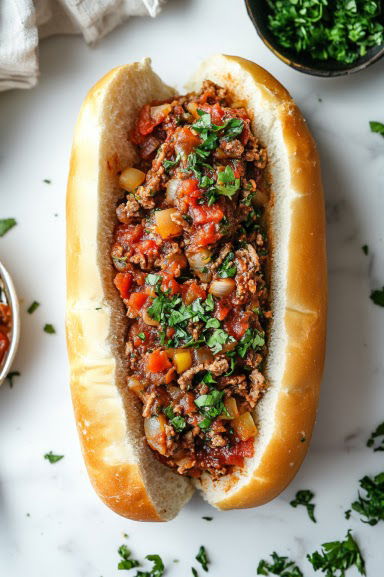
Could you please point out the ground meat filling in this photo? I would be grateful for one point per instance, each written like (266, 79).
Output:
(191, 254)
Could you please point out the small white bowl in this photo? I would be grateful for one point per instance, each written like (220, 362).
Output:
(11, 297)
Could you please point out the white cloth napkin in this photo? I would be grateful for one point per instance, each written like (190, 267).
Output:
(23, 22)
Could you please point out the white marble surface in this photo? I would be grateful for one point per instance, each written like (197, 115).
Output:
(51, 523)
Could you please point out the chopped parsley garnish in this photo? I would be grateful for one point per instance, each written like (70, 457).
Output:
(202, 558)
(218, 339)
(52, 458)
(142, 336)
(365, 249)
(304, 497)
(6, 224)
(32, 307)
(11, 376)
(374, 440)
(210, 406)
(251, 339)
(152, 279)
(227, 269)
(194, 572)
(377, 127)
(377, 296)
(371, 506)
(338, 556)
(279, 566)
(50, 329)
(177, 421)
(342, 30)
(126, 561)
(157, 569)
(207, 518)
(171, 163)
(208, 378)
(47, 181)
(227, 184)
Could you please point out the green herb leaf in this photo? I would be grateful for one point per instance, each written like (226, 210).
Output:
(142, 336)
(50, 329)
(194, 572)
(171, 163)
(217, 339)
(32, 307)
(207, 518)
(279, 566)
(158, 565)
(338, 556)
(227, 184)
(228, 269)
(212, 323)
(304, 497)
(372, 441)
(11, 376)
(208, 378)
(377, 296)
(365, 249)
(233, 128)
(152, 279)
(6, 224)
(251, 339)
(202, 558)
(47, 181)
(371, 506)
(126, 563)
(377, 127)
(177, 421)
(52, 458)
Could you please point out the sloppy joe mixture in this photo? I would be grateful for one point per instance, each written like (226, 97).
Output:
(5, 325)
(191, 253)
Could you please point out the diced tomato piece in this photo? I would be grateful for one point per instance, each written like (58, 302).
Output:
(137, 300)
(216, 112)
(145, 123)
(123, 283)
(222, 309)
(158, 361)
(237, 325)
(170, 284)
(205, 235)
(147, 247)
(185, 140)
(127, 234)
(193, 291)
(189, 187)
(203, 214)
(235, 455)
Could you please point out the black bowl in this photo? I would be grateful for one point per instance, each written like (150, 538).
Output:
(258, 11)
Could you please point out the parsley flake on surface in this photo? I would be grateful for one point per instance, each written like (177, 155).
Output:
(377, 127)
(142, 336)
(6, 224)
(32, 307)
(52, 458)
(11, 376)
(365, 249)
(202, 558)
(158, 566)
(227, 184)
(377, 296)
(50, 329)
(280, 565)
(207, 518)
(126, 562)
(374, 438)
(338, 556)
(228, 268)
(371, 506)
(304, 497)
(47, 181)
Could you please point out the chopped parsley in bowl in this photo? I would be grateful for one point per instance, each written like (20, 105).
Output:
(321, 37)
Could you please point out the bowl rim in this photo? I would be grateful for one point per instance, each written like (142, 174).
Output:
(308, 69)
(11, 296)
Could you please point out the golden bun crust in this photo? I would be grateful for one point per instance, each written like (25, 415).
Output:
(122, 468)
(299, 285)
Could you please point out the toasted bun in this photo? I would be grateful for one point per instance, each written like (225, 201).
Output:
(122, 468)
